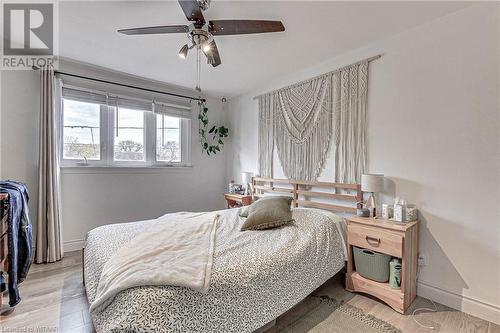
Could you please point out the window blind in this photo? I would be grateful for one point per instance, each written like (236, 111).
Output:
(171, 110)
(84, 96)
(134, 104)
(164, 108)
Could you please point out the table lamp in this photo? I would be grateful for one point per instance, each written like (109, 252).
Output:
(372, 183)
(246, 178)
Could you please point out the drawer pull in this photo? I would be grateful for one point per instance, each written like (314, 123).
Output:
(372, 240)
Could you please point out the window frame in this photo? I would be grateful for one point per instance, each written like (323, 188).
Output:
(106, 131)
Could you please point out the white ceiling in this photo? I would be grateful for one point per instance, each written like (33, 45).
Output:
(315, 32)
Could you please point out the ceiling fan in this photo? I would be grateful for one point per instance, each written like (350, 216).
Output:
(201, 33)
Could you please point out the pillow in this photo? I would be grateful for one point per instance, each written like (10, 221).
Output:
(267, 213)
(243, 212)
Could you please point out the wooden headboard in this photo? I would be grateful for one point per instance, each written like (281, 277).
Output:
(304, 193)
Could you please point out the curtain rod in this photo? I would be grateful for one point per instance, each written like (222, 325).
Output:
(125, 85)
(378, 56)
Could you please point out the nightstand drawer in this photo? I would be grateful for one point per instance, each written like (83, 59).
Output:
(376, 240)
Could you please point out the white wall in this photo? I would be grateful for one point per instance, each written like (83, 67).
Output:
(94, 197)
(20, 102)
(434, 132)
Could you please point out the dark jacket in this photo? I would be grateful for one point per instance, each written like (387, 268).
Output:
(20, 236)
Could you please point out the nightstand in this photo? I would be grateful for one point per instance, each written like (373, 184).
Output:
(237, 200)
(384, 236)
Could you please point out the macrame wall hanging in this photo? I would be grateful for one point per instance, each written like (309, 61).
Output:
(303, 120)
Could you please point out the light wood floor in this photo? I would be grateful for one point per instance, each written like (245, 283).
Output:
(53, 299)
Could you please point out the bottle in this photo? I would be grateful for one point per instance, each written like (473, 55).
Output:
(395, 273)
(405, 206)
(399, 209)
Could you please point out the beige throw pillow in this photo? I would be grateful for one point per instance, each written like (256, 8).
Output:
(243, 211)
(267, 213)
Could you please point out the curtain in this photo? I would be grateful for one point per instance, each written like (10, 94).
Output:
(48, 239)
(350, 91)
(305, 119)
(266, 136)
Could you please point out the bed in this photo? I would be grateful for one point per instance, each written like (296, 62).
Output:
(256, 275)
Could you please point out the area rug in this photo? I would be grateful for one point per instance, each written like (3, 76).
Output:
(331, 316)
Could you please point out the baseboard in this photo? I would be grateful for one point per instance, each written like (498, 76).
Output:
(73, 245)
(462, 303)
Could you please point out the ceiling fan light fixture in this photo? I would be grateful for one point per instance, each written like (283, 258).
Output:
(184, 51)
(201, 32)
(204, 4)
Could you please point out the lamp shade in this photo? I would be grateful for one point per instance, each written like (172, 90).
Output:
(372, 183)
(246, 177)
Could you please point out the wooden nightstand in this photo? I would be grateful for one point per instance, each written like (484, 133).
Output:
(384, 236)
(237, 200)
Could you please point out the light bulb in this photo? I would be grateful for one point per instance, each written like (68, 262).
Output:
(184, 51)
(206, 47)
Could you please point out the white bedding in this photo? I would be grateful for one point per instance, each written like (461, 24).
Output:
(185, 260)
(256, 276)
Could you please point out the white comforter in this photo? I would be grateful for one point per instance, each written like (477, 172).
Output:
(176, 250)
(256, 276)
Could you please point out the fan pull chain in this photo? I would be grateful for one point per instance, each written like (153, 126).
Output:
(198, 68)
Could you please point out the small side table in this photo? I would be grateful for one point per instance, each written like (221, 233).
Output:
(396, 240)
(237, 200)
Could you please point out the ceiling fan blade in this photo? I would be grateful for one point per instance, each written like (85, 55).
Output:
(192, 10)
(164, 29)
(213, 57)
(241, 27)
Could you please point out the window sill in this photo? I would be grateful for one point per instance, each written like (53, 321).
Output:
(77, 169)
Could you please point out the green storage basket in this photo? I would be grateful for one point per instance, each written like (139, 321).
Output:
(371, 265)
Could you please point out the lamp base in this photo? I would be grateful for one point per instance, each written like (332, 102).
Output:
(370, 204)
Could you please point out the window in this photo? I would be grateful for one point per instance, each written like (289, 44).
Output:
(103, 130)
(168, 139)
(81, 130)
(128, 135)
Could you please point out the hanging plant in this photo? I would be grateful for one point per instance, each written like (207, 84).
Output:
(216, 133)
